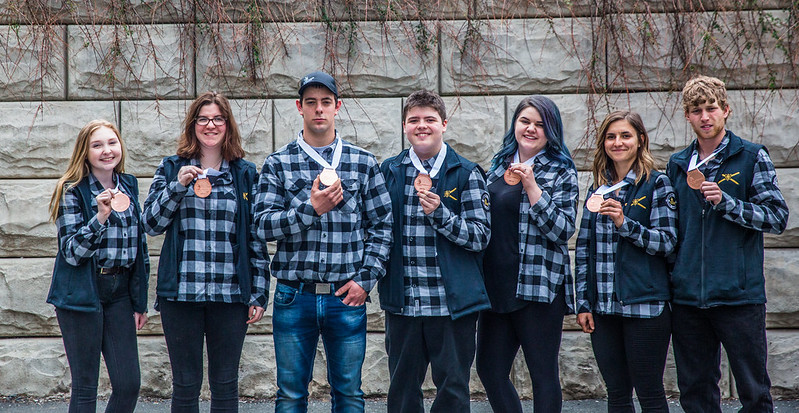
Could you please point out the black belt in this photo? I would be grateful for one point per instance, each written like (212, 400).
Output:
(112, 270)
(314, 288)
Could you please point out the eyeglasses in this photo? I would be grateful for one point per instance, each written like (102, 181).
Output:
(203, 121)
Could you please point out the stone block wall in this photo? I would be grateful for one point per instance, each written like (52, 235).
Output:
(139, 64)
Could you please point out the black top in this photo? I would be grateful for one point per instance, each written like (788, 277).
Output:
(501, 260)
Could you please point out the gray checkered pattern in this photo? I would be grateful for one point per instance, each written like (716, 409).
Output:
(659, 239)
(545, 229)
(349, 242)
(114, 243)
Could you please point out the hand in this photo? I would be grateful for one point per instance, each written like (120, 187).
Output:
(586, 321)
(324, 200)
(104, 205)
(140, 319)
(613, 209)
(255, 314)
(711, 191)
(527, 175)
(187, 173)
(429, 201)
(356, 295)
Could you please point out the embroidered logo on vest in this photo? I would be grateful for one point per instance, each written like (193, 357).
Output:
(448, 194)
(637, 202)
(728, 177)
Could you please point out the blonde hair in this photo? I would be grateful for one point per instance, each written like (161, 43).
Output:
(79, 167)
(644, 163)
(704, 89)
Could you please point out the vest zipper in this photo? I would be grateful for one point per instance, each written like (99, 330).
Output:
(702, 297)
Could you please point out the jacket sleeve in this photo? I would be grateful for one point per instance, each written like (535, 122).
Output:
(77, 239)
(470, 229)
(162, 202)
(661, 238)
(378, 221)
(555, 214)
(766, 210)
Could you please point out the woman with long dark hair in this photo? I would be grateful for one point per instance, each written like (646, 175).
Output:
(533, 188)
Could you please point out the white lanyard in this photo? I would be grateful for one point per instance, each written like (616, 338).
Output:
(693, 165)
(317, 157)
(528, 162)
(604, 189)
(417, 163)
(208, 172)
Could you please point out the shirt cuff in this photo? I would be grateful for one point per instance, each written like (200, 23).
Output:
(440, 216)
(306, 213)
(627, 227)
(727, 204)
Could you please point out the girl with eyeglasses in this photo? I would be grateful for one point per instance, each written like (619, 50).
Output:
(212, 273)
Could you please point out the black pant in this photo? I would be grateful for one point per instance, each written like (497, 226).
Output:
(537, 328)
(112, 332)
(631, 352)
(446, 345)
(697, 335)
(222, 326)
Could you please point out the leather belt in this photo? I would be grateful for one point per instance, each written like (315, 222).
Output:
(317, 288)
(112, 270)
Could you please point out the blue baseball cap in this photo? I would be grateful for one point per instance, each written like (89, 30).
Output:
(318, 78)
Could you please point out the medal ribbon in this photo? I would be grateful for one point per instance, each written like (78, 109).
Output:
(417, 163)
(528, 162)
(208, 173)
(693, 165)
(604, 189)
(116, 189)
(317, 157)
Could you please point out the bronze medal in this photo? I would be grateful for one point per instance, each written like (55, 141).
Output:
(511, 178)
(120, 202)
(422, 182)
(328, 177)
(695, 179)
(202, 188)
(594, 202)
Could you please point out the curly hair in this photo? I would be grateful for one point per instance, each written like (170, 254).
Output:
(704, 89)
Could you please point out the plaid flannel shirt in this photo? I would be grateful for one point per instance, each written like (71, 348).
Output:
(660, 239)
(208, 229)
(424, 288)
(114, 243)
(349, 242)
(545, 229)
(766, 209)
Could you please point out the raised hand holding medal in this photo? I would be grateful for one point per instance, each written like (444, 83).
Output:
(694, 177)
(202, 186)
(119, 201)
(594, 202)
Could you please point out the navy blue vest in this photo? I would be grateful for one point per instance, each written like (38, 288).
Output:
(718, 262)
(461, 270)
(639, 277)
(244, 176)
(75, 287)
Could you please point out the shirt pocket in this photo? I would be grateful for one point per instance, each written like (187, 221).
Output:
(351, 191)
(298, 192)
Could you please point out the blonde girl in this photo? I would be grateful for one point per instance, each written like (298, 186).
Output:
(99, 286)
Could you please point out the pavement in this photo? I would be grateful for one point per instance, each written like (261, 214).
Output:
(372, 406)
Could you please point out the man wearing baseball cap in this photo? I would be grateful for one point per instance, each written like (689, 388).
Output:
(325, 203)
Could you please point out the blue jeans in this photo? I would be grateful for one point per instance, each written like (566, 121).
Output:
(299, 318)
(696, 337)
(110, 331)
(222, 326)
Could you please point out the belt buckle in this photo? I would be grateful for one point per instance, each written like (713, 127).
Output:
(105, 271)
(322, 288)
